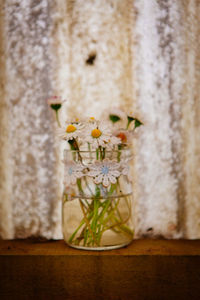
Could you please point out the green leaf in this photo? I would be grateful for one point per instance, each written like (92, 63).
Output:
(138, 123)
(130, 119)
(114, 118)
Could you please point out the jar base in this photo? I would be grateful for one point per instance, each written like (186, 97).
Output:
(103, 248)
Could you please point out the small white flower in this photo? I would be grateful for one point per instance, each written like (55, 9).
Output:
(71, 131)
(125, 136)
(104, 172)
(72, 171)
(55, 100)
(99, 134)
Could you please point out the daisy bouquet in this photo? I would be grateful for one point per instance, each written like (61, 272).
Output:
(97, 197)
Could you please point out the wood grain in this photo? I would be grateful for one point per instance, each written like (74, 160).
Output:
(146, 269)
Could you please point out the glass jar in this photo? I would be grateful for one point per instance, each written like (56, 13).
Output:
(97, 199)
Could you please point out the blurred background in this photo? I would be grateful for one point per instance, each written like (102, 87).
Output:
(141, 55)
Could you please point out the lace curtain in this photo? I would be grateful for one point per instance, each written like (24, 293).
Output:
(143, 55)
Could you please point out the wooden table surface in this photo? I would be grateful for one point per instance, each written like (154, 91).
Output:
(146, 269)
(137, 247)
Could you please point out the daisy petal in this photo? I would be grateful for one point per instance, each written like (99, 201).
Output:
(93, 173)
(98, 179)
(112, 179)
(115, 173)
(105, 181)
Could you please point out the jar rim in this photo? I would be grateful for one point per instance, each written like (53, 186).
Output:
(102, 197)
(94, 151)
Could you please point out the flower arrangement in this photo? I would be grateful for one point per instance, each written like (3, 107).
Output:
(97, 179)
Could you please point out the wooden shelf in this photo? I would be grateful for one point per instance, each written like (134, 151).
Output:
(146, 269)
(137, 247)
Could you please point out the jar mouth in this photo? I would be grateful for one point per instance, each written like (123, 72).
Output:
(94, 151)
(100, 198)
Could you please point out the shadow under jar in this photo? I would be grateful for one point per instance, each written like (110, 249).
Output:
(97, 199)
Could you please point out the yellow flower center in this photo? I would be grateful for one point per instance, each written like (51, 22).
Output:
(70, 128)
(96, 133)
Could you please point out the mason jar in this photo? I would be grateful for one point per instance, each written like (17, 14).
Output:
(97, 199)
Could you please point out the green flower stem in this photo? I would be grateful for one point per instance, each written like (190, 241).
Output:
(89, 149)
(74, 146)
(97, 224)
(80, 225)
(119, 153)
(123, 227)
(86, 233)
(113, 187)
(100, 216)
(75, 232)
(106, 206)
(102, 152)
(120, 225)
(97, 153)
(88, 187)
(92, 233)
(111, 211)
(57, 118)
(94, 219)
(117, 223)
(88, 223)
(79, 185)
(97, 204)
(116, 202)
(101, 155)
(99, 232)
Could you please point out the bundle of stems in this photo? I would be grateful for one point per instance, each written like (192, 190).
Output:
(100, 211)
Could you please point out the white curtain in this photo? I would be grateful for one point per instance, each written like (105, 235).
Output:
(145, 57)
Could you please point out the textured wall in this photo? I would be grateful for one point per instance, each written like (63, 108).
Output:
(99, 29)
(6, 226)
(159, 64)
(29, 192)
(144, 57)
(167, 85)
(191, 119)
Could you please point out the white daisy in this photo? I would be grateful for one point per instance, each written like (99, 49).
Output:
(104, 172)
(71, 131)
(55, 102)
(125, 136)
(99, 134)
(72, 171)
